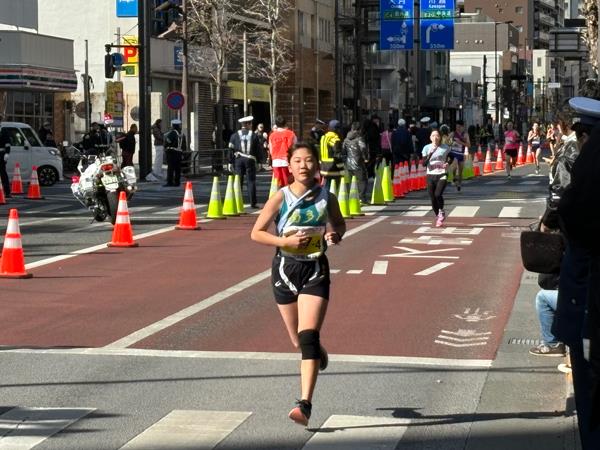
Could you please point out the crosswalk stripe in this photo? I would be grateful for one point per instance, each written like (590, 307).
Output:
(358, 433)
(530, 182)
(417, 211)
(23, 428)
(464, 211)
(140, 208)
(496, 182)
(200, 430)
(510, 211)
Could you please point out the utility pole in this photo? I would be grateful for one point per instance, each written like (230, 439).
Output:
(185, 122)
(145, 87)
(245, 71)
(86, 90)
(338, 72)
(484, 102)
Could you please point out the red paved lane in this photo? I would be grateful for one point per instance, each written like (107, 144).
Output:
(397, 314)
(95, 299)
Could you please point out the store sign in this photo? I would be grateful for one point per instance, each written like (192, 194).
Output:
(437, 24)
(178, 57)
(114, 106)
(127, 8)
(396, 30)
(130, 56)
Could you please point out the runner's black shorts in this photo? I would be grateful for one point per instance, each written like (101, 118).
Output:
(512, 152)
(292, 277)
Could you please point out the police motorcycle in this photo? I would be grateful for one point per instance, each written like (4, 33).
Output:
(100, 182)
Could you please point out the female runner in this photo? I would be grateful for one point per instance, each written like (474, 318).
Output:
(307, 219)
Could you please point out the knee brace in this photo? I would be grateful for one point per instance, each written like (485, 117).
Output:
(310, 344)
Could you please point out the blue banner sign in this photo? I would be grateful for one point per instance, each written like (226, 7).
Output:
(396, 24)
(437, 24)
(127, 8)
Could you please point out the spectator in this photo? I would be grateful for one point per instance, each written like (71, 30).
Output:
(43, 133)
(159, 150)
(545, 305)
(127, 144)
(385, 142)
(402, 144)
(355, 148)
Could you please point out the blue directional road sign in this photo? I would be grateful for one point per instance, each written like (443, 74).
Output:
(127, 8)
(437, 24)
(396, 30)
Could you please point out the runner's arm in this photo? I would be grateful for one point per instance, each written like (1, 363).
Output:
(261, 234)
(337, 225)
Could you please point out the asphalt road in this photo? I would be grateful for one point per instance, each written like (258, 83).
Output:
(110, 347)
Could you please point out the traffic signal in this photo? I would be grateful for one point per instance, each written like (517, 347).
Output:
(109, 68)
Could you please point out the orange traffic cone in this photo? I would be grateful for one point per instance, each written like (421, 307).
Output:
(499, 161)
(520, 156)
(398, 182)
(2, 198)
(187, 216)
(423, 176)
(405, 178)
(413, 176)
(12, 264)
(16, 186)
(479, 153)
(33, 192)
(122, 233)
(529, 159)
(487, 165)
(476, 164)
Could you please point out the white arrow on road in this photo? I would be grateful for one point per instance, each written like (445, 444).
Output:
(470, 344)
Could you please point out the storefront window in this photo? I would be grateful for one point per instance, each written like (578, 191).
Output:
(32, 108)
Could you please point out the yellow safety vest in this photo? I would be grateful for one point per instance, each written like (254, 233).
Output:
(328, 142)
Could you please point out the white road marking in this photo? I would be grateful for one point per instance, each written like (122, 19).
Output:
(134, 209)
(44, 209)
(464, 211)
(496, 182)
(436, 240)
(450, 344)
(510, 211)
(358, 433)
(367, 359)
(466, 231)
(530, 182)
(209, 301)
(515, 200)
(380, 267)
(354, 272)
(413, 253)
(23, 428)
(37, 222)
(201, 430)
(332, 271)
(433, 269)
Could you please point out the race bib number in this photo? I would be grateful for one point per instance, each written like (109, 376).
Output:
(312, 249)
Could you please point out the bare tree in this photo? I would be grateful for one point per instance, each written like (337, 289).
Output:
(211, 26)
(590, 12)
(270, 49)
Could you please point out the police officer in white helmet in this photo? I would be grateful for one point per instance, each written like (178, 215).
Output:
(175, 145)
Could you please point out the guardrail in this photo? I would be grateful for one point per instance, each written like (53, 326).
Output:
(205, 162)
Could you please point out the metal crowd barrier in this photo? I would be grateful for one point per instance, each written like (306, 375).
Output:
(205, 162)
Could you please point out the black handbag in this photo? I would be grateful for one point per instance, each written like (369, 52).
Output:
(542, 252)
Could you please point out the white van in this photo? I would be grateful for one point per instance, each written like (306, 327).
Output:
(27, 150)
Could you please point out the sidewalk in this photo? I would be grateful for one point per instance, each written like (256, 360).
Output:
(526, 403)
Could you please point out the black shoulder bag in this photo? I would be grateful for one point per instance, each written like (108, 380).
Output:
(542, 252)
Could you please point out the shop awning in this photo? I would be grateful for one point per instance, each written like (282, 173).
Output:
(39, 79)
(256, 92)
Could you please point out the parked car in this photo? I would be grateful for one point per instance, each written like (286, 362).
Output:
(27, 150)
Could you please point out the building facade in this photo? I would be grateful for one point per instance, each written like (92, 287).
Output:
(36, 70)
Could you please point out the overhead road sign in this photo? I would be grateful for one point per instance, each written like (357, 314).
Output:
(437, 24)
(396, 24)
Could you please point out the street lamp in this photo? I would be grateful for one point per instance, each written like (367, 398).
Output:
(496, 63)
